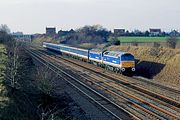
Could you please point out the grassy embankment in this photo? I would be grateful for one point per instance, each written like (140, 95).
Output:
(13, 103)
(143, 39)
(161, 64)
(40, 40)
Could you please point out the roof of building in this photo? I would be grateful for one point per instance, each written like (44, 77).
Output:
(155, 30)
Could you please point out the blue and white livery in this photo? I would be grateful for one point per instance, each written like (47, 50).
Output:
(121, 61)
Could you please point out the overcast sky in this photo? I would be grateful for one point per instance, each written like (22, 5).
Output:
(32, 16)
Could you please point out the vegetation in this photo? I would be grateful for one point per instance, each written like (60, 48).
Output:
(115, 41)
(88, 34)
(14, 104)
(38, 40)
(3, 91)
(142, 39)
(171, 42)
(87, 45)
(27, 88)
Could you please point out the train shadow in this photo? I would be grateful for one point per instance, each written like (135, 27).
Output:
(148, 69)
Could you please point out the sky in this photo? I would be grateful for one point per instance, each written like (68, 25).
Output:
(33, 16)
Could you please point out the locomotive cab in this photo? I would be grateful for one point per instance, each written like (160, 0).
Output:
(127, 62)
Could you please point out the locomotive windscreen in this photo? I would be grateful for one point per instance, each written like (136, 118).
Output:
(127, 57)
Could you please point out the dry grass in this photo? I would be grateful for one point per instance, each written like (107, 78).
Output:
(40, 40)
(87, 45)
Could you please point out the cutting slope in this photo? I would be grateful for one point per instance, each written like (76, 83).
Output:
(161, 64)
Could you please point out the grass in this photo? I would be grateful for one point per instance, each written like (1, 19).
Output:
(87, 45)
(40, 40)
(143, 39)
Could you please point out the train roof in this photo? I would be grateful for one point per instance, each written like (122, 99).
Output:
(96, 50)
(66, 46)
(115, 53)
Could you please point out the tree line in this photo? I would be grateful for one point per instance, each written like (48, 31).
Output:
(87, 34)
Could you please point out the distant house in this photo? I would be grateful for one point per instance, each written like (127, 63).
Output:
(119, 32)
(155, 32)
(174, 33)
(62, 33)
(50, 31)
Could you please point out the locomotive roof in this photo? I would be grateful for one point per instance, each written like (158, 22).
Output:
(115, 53)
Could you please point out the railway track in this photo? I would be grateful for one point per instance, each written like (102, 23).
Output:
(135, 85)
(113, 110)
(151, 112)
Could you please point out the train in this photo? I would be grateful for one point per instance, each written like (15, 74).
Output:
(117, 61)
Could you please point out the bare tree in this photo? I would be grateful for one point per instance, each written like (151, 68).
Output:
(12, 67)
(47, 81)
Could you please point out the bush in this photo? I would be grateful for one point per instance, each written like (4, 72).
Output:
(171, 42)
(115, 41)
(154, 51)
(135, 43)
(156, 44)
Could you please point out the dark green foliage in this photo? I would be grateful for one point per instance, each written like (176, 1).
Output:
(4, 37)
(115, 41)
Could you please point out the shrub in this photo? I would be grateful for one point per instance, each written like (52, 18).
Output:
(135, 43)
(156, 44)
(171, 42)
(154, 51)
(115, 41)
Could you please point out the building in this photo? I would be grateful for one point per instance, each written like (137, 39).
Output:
(119, 32)
(50, 31)
(17, 33)
(155, 32)
(22, 37)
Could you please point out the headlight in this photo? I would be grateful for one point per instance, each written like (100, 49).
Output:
(123, 69)
(133, 69)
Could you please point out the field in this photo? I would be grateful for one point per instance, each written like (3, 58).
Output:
(143, 39)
